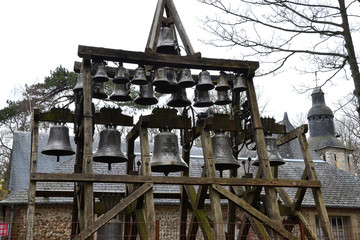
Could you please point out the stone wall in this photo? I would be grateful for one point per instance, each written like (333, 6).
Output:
(52, 222)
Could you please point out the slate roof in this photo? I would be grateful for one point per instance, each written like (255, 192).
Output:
(339, 188)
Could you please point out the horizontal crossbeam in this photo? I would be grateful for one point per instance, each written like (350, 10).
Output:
(105, 178)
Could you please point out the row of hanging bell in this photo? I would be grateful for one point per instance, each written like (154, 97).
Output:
(58, 142)
(109, 149)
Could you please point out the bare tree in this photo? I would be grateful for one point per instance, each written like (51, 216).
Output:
(348, 127)
(283, 34)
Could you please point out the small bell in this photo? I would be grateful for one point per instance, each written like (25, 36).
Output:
(272, 150)
(160, 79)
(179, 99)
(146, 95)
(239, 84)
(79, 84)
(100, 75)
(204, 83)
(139, 77)
(186, 79)
(202, 99)
(121, 75)
(166, 43)
(173, 85)
(222, 98)
(59, 142)
(222, 151)
(98, 90)
(166, 157)
(222, 84)
(109, 150)
(121, 92)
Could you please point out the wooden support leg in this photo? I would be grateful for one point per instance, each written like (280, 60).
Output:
(319, 201)
(184, 201)
(30, 215)
(270, 193)
(149, 208)
(209, 166)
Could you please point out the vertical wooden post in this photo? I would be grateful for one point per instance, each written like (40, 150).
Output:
(149, 208)
(209, 166)
(318, 198)
(88, 135)
(129, 167)
(270, 193)
(30, 217)
(183, 196)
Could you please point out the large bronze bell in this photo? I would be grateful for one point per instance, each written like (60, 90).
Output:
(121, 92)
(121, 76)
(139, 77)
(98, 90)
(146, 95)
(186, 79)
(202, 99)
(59, 142)
(166, 43)
(100, 75)
(222, 98)
(204, 83)
(160, 79)
(179, 99)
(173, 85)
(166, 157)
(273, 153)
(112, 230)
(109, 150)
(222, 151)
(239, 84)
(222, 84)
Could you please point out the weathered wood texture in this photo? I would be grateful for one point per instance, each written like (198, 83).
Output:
(157, 59)
(77, 177)
(30, 216)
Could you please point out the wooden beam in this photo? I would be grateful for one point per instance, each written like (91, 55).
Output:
(291, 135)
(30, 215)
(157, 59)
(99, 222)
(88, 135)
(270, 193)
(209, 166)
(155, 27)
(318, 198)
(149, 207)
(253, 212)
(289, 202)
(105, 178)
(180, 28)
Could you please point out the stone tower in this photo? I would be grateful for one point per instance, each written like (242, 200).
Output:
(322, 134)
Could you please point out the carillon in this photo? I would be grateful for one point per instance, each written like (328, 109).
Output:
(186, 79)
(222, 151)
(139, 77)
(202, 99)
(59, 142)
(121, 93)
(166, 157)
(179, 99)
(101, 75)
(146, 95)
(99, 90)
(222, 84)
(121, 76)
(109, 150)
(222, 98)
(239, 84)
(166, 42)
(204, 83)
(272, 150)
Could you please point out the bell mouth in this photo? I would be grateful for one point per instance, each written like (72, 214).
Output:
(121, 98)
(205, 87)
(203, 104)
(146, 101)
(58, 152)
(179, 103)
(121, 80)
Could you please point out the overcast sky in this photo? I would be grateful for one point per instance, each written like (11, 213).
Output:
(39, 35)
